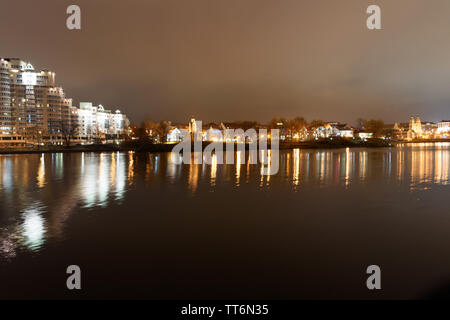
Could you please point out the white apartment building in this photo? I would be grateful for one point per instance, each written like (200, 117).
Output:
(32, 108)
(444, 127)
(35, 111)
(95, 122)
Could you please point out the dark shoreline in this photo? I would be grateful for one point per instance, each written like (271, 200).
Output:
(154, 148)
(424, 141)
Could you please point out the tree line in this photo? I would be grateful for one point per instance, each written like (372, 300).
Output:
(157, 131)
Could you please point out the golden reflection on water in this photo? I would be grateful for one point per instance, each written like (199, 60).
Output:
(213, 170)
(430, 165)
(441, 164)
(348, 166)
(193, 177)
(362, 165)
(41, 172)
(41, 191)
(239, 159)
(295, 166)
(41, 206)
(131, 159)
(266, 158)
(172, 166)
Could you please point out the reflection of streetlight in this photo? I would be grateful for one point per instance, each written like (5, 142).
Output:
(39, 139)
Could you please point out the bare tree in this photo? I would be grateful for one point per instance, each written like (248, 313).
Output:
(316, 123)
(374, 126)
(68, 131)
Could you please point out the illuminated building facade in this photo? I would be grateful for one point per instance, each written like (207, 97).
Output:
(34, 111)
(333, 129)
(95, 122)
(175, 135)
(415, 128)
(443, 128)
(32, 108)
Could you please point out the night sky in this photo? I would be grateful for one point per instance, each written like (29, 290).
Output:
(241, 59)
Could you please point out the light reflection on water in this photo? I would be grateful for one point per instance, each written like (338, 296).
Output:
(38, 193)
(33, 227)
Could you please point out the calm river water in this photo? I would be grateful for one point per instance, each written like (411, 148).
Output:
(141, 226)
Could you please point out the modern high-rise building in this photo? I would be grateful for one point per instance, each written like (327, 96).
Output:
(33, 110)
(32, 107)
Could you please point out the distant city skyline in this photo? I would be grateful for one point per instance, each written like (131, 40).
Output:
(138, 121)
(242, 60)
(34, 110)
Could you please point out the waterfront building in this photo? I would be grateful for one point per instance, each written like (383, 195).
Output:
(281, 126)
(415, 128)
(429, 130)
(193, 126)
(213, 134)
(34, 111)
(175, 135)
(98, 123)
(343, 130)
(32, 107)
(365, 135)
(443, 128)
(333, 129)
(300, 135)
(324, 131)
(400, 130)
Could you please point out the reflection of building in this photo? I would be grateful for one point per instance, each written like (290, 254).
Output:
(98, 178)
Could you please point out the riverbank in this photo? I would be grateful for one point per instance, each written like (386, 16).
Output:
(63, 149)
(424, 141)
(337, 143)
(153, 148)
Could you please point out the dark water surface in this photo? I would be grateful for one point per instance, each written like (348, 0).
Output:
(141, 226)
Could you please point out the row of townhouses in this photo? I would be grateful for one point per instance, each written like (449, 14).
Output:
(33, 110)
(216, 133)
(415, 129)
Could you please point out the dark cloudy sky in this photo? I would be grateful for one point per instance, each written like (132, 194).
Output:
(241, 59)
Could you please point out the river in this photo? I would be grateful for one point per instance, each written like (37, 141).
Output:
(142, 226)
